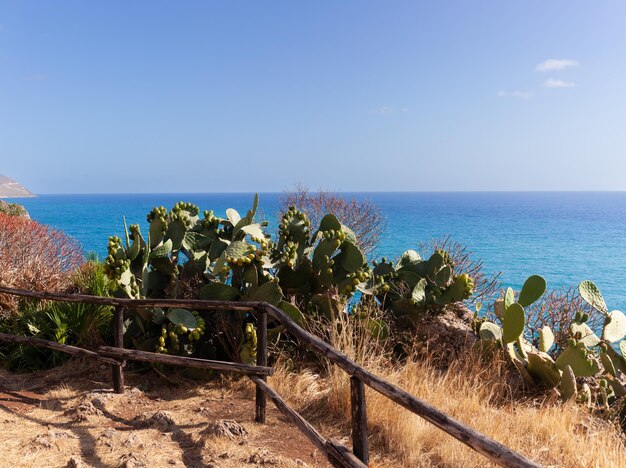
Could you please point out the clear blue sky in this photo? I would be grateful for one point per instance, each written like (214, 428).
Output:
(205, 96)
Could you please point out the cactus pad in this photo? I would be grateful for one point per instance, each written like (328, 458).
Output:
(592, 296)
(614, 326)
(513, 323)
(533, 289)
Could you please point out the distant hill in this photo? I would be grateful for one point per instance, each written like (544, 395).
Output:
(11, 189)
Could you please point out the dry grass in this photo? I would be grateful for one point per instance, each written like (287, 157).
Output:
(472, 391)
(551, 434)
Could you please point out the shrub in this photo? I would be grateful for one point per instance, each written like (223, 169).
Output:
(34, 257)
(84, 325)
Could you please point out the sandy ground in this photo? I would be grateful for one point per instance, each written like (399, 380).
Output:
(69, 417)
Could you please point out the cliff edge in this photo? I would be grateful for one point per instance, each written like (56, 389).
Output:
(11, 189)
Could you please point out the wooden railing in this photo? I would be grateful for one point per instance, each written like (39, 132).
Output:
(337, 454)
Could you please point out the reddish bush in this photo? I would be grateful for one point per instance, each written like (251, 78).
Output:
(35, 257)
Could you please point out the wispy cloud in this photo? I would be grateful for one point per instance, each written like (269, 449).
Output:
(556, 65)
(555, 83)
(37, 77)
(517, 94)
(388, 110)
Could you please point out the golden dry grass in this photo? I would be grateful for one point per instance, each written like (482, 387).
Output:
(472, 391)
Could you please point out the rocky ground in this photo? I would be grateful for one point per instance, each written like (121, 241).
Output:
(64, 418)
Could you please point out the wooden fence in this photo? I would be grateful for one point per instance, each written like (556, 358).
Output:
(337, 454)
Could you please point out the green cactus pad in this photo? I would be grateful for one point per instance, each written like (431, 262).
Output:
(162, 250)
(576, 357)
(239, 249)
(584, 334)
(268, 292)
(607, 363)
(509, 298)
(434, 264)
(254, 230)
(233, 216)
(410, 257)
(330, 223)
(292, 311)
(490, 331)
(592, 296)
(546, 339)
(195, 241)
(533, 289)
(568, 384)
(614, 326)
(352, 257)
(378, 329)
(219, 292)
(182, 317)
(513, 323)
(541, 366)
(418, 295)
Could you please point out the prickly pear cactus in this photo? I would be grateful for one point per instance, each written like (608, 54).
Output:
(412, 285)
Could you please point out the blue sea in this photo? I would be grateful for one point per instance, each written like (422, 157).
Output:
(564, 236)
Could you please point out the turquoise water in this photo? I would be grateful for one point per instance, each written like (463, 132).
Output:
(566, 237)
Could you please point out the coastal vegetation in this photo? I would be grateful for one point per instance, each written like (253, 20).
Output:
(542, 371)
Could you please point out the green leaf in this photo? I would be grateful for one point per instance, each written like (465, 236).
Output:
(182, 317)
(513, 323)
(614, 326)
(219, 292)
(490, 331)
(592, 296)
(533, 289)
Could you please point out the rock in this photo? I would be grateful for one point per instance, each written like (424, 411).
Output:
(262, 457)
(131, 460)
(76, 462)
(161, 419)
(446, 336)
(225, 428)
(11, 189)
(82, 412)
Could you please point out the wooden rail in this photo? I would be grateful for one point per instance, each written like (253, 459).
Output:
(336, 453)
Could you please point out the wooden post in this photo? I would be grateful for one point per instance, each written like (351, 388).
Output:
(118, 342)
(261, 360)
(359, 420)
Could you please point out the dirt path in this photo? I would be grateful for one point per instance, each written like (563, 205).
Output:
(58, 418)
